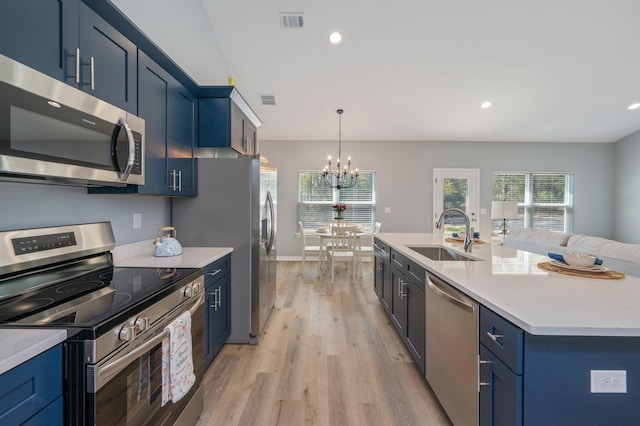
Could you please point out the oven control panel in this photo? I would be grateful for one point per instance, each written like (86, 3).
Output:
(43, 242)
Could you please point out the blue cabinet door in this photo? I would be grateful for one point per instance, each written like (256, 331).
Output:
(217, 307)
(108, 61)
(500, 392)
(222, 321)
(168, 110)
(42, 34)
(154, 85)
(415, 328)
(181, 143)
(398, 303)
(32, 386)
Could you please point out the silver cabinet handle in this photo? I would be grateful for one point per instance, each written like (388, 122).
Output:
(179, 180)
(77, 67)
(219, 298)
(480, 384)
(401, 285)
(91, 64)
(132, 149)
(92, 67)
(214, 272)
(494, 337)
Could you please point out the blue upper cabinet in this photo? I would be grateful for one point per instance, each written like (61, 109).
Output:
(169, 112)
(69, 41)
(225, 120)
(108, 61)
(40, 33)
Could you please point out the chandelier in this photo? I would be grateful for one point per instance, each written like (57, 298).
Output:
(337, 178)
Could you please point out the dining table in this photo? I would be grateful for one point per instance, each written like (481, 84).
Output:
(325, 233)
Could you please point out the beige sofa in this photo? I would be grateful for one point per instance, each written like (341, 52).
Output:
(615, 255)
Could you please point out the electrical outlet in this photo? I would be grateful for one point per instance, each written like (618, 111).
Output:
(608, 381)
(137, 220)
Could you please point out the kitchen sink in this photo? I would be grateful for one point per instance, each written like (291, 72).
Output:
(440, 253)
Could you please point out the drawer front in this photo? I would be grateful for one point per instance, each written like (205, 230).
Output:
(502, 338)
(379, 245)
(29, 387)
(415, 273)
(397, 259)
(217, 269)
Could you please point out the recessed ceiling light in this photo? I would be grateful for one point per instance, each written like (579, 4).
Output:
(335, 37)
(486, 104)
(634, 106)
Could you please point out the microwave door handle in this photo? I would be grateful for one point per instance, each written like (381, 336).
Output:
(132, 149)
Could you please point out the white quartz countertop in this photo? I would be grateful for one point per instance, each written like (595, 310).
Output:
(21, 344)
(509, 282)
(140, 255)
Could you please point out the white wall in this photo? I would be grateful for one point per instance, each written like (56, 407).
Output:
(25, 205)
(404, 173)
(627, 190)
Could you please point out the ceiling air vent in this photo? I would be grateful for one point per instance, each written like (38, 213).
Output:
(267, 98)
(289, 20)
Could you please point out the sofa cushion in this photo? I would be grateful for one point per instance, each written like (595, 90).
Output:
(605, 248)
(536, 240)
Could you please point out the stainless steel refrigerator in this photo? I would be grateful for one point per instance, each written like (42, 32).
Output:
(236, 207)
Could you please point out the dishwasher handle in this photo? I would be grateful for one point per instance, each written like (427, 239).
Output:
(448, 297)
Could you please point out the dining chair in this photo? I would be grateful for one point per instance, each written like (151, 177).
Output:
(309, 250)
(332, 223)
(342, 249)
(366, 247)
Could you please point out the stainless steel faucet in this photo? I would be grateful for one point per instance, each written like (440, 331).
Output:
(468, 236)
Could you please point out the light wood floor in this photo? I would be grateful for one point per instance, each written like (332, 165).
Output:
(329, 356)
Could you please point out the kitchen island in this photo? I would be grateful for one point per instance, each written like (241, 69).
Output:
(551, 348)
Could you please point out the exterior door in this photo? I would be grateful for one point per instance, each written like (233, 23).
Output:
(456, 188)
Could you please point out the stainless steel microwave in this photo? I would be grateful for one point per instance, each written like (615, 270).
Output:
(52, 131)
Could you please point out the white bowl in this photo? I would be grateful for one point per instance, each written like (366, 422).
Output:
(322, 229)
(578, 259)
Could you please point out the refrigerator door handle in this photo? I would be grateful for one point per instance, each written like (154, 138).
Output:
(271, 222)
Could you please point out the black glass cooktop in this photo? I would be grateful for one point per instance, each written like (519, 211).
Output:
(93, 299)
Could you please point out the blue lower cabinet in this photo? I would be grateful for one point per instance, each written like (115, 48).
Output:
(528, 379)
(557, 380)
(217, 327)
(500, 392)
(33, 390)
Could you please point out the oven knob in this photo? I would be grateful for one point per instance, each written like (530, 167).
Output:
(197, 287)
(142, 323)
(188, 291)
(127, 333)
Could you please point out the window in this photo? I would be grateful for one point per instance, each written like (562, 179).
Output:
(315, 200)
(545, 200)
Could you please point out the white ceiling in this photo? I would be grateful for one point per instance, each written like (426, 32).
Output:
(555, 70)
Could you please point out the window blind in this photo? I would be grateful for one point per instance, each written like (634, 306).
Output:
(545, 200)
(315, 200)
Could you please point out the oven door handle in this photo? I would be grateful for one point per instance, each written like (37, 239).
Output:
(107, 371)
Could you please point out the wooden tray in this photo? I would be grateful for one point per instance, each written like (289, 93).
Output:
(461, 241)
(606, 275)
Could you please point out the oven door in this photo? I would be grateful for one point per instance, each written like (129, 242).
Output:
(129, 387)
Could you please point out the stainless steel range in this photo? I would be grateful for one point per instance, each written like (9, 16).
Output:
(63, 277)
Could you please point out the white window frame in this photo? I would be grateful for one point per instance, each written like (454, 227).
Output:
(527, 206)
(327, 197)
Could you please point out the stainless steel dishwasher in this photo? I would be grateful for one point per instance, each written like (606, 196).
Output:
(451, 358)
